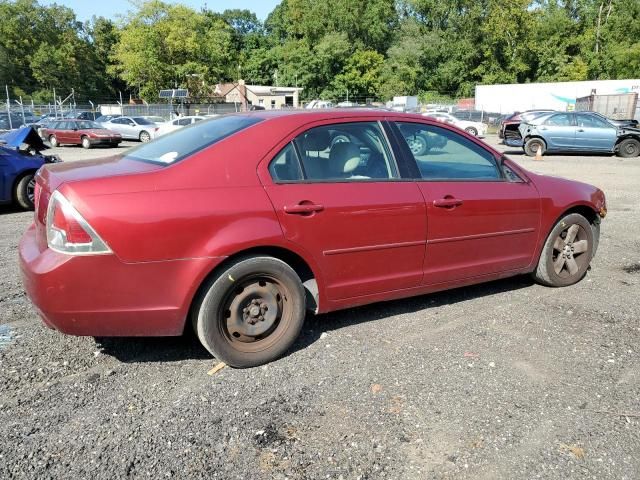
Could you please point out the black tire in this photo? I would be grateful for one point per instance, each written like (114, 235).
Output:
(533, 144)
(53, 141)
(25, 191)
(562, 262)
(262, 290)
(471, 131)
(86, 143)
(417, 144)
(144, 136)
(629, 147)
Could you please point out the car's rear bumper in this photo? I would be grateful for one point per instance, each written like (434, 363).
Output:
(99, 295)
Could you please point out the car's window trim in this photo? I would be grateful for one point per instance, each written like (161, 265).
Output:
(417, 176)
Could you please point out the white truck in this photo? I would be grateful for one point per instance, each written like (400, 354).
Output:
(405, 104)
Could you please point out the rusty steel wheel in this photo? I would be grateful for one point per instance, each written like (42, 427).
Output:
(567, 252)
(252, 312)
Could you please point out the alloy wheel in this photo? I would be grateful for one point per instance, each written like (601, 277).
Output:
(570, 251)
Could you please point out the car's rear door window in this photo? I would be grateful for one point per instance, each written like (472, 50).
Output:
(560, 120)
(442, 154)
(355, 151)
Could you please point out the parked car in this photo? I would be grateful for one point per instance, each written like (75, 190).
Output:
(132, 128)
(106, 118)
(10, 122)
(20, 158)
(80, 132)
(581, 132)
(81, 115)
(477, 129)
(238, 225)
(178, 123)
(508, 127)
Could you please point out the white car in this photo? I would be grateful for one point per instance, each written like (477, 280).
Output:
(177, 123)
(474, 128)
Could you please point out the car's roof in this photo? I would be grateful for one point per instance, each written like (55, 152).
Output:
(330, 113)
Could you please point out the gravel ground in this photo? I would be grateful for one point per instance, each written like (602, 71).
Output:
(503, 380)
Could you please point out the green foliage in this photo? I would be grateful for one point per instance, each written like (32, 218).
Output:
(372, 48)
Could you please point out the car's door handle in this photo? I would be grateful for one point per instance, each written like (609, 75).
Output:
(580, 130)
(303, 208)
(447, 202)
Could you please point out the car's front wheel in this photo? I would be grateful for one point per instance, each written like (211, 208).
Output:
(533, 145)
(251, 313)
(629, 147)
(53, 141)
(86, 143)
(567, 252)
(25, 191)
(471, 131)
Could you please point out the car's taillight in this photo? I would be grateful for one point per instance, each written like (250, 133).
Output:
(68, 232)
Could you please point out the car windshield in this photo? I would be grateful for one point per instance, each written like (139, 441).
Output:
(142, 121)
(174, 147)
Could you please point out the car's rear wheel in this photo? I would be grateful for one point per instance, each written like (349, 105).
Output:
(144, 136)
(567, 252)
(25, 191)
(251, 313)
(472, 131)
(629, 147)
(532, 146)
(86, 143)
(417, 144)
(53, 141)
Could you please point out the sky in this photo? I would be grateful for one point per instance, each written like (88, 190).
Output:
(85, 9)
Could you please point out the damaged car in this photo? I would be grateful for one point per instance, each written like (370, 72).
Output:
(579, 132)
(20, 159)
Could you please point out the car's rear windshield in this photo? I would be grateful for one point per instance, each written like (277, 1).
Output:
(175, 146)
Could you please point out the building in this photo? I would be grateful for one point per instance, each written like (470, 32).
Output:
(267, 97)
(508, 98)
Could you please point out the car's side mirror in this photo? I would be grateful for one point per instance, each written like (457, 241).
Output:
(132, 124)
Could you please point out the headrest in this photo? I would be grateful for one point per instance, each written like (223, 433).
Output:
(317, 140)
(344, 157)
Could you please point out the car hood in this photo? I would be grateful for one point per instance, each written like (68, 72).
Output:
(26, 135)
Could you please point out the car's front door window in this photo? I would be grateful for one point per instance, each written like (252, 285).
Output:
(442, 154)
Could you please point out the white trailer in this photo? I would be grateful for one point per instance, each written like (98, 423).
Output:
(517, 97)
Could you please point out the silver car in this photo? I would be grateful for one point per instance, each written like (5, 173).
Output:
(132, 128)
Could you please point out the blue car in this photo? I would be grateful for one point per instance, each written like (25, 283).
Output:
(580, 132)
(20, 159)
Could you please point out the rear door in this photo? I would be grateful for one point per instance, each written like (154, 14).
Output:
(337, 193)
(480, 220)
(594, 134)
(559, 131)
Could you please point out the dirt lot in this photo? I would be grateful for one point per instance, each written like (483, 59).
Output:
(503, 380)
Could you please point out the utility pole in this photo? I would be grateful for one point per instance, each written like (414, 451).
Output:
(6, 87)
(55, 104)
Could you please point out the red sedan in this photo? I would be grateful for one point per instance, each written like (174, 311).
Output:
(79, 132)
(238, 225)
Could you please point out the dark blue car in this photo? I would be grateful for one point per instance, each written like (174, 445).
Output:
(20, 159)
